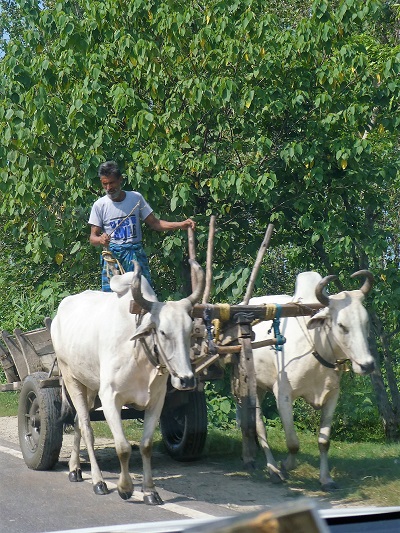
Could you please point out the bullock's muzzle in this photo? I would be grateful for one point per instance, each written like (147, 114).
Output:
(183, 382)
(368, 368)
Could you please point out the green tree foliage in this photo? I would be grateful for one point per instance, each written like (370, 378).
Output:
(255, 113)
(210, 108)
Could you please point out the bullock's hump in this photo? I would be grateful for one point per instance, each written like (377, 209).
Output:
(121, 284)
(306, 283)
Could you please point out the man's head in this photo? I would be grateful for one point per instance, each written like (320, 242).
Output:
(111, 180)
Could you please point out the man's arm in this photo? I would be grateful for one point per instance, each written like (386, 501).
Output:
(163, 225)
(97, 238)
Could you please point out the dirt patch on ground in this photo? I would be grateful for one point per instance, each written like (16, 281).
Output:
(209, 479)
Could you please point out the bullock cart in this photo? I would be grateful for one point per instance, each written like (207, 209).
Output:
(30, 367)
(222, 334)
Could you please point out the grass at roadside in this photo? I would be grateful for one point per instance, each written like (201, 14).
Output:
(367, 473)
(9, 403)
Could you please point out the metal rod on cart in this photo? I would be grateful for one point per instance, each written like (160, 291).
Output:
(192, 255)
(257, 264)
(210, 251)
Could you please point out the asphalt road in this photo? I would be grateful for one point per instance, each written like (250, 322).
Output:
(38, 502)
(43, 502)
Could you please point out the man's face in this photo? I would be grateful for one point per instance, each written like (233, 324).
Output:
(112, 186)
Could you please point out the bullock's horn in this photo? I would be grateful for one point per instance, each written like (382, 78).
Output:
(369, 280)
(136, 288)
(321, 297)
(200, 282)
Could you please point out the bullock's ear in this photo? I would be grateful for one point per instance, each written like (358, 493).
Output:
(319, 319)
(143, 330)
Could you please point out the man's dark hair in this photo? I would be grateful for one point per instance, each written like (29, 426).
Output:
(109, 169)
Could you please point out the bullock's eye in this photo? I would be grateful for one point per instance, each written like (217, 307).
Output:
(162, 333)
(343, 328)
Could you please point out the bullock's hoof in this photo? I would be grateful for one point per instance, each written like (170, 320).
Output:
(329, 487)
(125, 495)
(75, 475)
(152, 499)
(284, 472)
(276, 478)
(100, 488)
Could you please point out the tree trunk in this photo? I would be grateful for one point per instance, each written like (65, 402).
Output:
(389, 411)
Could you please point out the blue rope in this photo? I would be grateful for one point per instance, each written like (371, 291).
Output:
(280, 339)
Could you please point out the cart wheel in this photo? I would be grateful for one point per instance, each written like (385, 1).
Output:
(39, 431)
(184, 428)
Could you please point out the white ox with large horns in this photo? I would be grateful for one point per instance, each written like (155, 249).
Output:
(309, 365)
(103, 350)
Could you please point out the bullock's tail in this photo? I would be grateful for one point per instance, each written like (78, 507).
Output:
(68, 413)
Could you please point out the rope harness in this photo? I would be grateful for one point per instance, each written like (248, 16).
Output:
(339, 364)
(157, 356)
(280, 339)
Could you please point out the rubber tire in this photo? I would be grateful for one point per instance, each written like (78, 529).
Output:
(39, 430)
(184, 428)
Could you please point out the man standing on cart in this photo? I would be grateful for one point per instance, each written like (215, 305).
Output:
(115, 223)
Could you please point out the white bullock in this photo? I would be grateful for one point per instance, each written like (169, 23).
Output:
(104, 350)
(309, 365)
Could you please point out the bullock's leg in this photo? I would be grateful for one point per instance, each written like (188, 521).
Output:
(123, 448)
(327, 413)
(151, 418)
(99, 485)
(285, 408)
(275, 474)
(79, 397)
(75, 472)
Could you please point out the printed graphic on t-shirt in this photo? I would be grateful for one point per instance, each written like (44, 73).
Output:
(126, 228)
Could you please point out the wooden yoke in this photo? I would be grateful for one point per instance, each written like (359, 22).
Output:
(226, 312)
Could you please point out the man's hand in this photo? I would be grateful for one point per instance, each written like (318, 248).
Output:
(104, 239)
(163, 225)
(97, 238)
(188, 223)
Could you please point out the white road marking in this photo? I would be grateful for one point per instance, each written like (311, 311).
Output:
(10, 451)
(172, 507)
